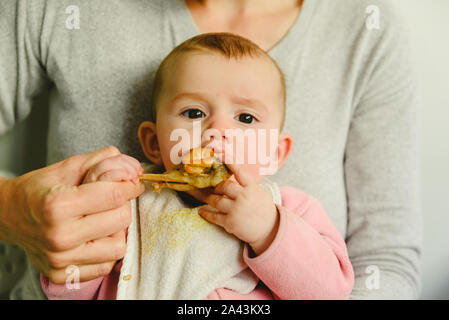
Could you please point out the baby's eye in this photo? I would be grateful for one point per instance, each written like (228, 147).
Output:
(193, 114)
(245, 118)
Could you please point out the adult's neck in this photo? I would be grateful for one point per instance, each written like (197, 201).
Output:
(246, 7)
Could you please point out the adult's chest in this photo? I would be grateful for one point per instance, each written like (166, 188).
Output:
(318, 116)
(103, 75)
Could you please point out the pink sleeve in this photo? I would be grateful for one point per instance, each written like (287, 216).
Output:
(102, 288)
(308, 258)
(88, 290)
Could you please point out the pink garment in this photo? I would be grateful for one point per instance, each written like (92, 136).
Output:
(307, 259)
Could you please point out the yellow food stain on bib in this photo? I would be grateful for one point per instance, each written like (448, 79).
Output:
(175, 227)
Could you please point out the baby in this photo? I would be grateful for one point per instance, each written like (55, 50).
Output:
(251, 239)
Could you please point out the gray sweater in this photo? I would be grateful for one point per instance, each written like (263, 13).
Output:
(350, 109)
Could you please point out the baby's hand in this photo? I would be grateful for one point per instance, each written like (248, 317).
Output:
(245, 210)
(117, 168)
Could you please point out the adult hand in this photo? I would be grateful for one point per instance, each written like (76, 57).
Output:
(60, 222)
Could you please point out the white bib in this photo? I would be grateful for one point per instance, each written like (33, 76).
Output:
(173, 253)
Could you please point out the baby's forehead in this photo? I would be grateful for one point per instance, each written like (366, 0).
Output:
(259, 71)
(206, 55)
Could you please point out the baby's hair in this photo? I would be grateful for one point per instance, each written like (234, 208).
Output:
(229, 45)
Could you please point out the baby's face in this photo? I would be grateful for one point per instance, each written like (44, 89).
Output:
(220, 94)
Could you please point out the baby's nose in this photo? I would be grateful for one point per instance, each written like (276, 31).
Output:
(217, 127)
(215, 134)
(213, 137)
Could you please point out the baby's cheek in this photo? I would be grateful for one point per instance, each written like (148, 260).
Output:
(260, 158)
(172, 152)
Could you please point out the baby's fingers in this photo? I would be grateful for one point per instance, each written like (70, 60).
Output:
(231, 188)
(121, 161)
(220, 202)
(116, 163)
(212, 215)
(118, 175)
(241, 175)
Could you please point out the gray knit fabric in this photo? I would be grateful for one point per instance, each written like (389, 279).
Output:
(350, 108)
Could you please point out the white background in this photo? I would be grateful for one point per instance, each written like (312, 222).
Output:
(428, 23)
(24, 148)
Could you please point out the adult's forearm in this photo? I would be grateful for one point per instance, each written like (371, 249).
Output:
(388, 275)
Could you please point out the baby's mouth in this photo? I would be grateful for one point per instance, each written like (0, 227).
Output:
(218, 152)
(199, 169)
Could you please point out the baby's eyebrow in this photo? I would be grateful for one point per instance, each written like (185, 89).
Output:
(192, 95)
(250, 102)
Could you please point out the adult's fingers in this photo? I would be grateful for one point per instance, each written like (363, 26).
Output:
(96, 226)
(98, 251)
(92, 198)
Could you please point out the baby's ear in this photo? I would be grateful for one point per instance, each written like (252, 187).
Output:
(284, 147)
(149, 142)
